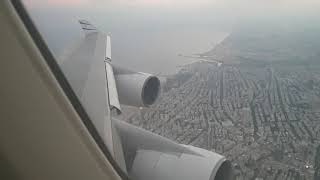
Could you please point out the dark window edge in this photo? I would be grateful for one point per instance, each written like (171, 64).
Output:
(64, 84)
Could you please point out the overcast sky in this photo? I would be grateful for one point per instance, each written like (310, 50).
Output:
(134, 23)
(184, 11)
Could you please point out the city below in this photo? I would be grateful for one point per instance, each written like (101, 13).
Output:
(260, 107)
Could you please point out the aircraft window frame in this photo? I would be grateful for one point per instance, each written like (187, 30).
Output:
(64, 84)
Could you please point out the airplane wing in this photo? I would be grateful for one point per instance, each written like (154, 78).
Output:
(85, 69)
(142, 154)
(58, 119)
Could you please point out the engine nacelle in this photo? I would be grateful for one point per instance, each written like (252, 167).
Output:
(150, 156)
(136, 88)
(157, 165)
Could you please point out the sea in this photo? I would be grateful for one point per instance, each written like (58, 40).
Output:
(162, 52)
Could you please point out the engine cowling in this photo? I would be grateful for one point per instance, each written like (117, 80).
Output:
(157, 165)
(136, 88)
(150, 156)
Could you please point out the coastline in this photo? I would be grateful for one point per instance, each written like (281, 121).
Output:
(202, 57)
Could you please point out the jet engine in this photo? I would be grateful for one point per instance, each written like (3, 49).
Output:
(150, 156)
(136, 88)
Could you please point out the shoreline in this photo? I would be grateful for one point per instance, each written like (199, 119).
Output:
(200, 57)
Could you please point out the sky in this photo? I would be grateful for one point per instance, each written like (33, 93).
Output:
(238, 7)
(118, 15)
(136, 25)
(157, 14)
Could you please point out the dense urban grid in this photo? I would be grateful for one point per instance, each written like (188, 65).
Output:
(260, 108)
